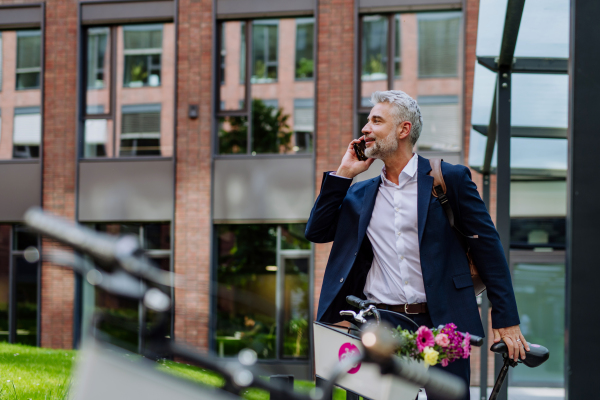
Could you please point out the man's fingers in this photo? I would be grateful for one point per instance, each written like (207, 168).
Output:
(497, 337)
(510, 345)
(525, 344)
(521, 348)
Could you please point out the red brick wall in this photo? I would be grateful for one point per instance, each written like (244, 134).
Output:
(335, 76)
(60, 82)
(193, 172)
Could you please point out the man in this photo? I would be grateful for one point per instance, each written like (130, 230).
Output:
(393, 244)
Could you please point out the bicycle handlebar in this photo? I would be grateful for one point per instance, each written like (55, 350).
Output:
(476, 341)
(107, 249)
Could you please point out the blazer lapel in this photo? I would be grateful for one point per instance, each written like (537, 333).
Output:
(368, 203)
(424, 187)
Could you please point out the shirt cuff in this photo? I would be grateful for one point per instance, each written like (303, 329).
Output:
(332, 173)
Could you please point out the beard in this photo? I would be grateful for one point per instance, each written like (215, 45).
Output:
(382, 148)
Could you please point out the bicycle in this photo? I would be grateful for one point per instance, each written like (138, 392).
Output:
(121, 268)
(535, 357)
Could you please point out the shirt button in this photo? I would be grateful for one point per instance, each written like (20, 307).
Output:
(399, 233)
(397, 209)
(406, 282)
(342, 280)
(402, 257)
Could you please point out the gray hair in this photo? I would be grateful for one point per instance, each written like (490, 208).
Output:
(404, 108)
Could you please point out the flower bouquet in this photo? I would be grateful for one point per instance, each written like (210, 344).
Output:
(433, 346)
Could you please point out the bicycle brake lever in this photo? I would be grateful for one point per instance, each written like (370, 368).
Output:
(357, 317)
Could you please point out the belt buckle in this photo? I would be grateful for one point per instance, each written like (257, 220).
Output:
(406, 310)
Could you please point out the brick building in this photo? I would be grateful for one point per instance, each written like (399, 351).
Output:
(204, 127)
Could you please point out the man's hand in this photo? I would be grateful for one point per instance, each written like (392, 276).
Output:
(514, 339)
(351, 166)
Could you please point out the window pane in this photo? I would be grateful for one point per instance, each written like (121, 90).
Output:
(374, 56)
(296, 308)
(27, 132)
(143, 52)
(140, 130)
(529, 233)
(246, 276)
(540, 293)
(397, 48)
(271, 131)
(98, 138)
(292, 237)
(264, 51)
(98, 71)
(441, 123)
(4, 280)
(28, 59)
(233, 64)
(233, 135)
(24, 238)
(438, 44)
(157, 236)
(304, 48)
(26, 282)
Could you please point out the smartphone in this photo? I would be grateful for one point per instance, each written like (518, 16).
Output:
(359, 149)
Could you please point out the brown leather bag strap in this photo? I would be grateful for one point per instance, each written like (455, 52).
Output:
(439, 188)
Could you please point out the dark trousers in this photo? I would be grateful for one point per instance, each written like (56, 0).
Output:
(460, 368)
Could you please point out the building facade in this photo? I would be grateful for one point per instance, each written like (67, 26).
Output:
(204, 127)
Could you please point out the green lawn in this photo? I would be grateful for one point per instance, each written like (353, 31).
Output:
(44, 374)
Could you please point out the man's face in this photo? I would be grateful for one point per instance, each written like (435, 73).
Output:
(380, 132)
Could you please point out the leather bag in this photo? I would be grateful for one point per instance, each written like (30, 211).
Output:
(439, 191)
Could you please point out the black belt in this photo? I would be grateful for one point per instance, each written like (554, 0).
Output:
(416, 308)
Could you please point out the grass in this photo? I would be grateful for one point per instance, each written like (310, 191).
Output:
(43, 374)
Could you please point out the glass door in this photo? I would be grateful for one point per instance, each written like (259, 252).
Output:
(294, 304)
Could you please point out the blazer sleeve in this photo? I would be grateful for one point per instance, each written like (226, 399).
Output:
(487, 253)
(322, 224)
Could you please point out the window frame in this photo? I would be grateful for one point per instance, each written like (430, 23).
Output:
(113, 16)
(246, 72)
(12, 284)
(29, 70)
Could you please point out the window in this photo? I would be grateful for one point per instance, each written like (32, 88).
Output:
(443, 128)
(258, 268)
(305, 29)
(27, 132)
(20, 114)
(424, 46)
(143, 51)
(438, 44)
(535, 233)
(259, 116)
(28, 59)
(97, 68)
(135, 119)
(155, 240)
(140, 132)
(264, 51)
(20, 300)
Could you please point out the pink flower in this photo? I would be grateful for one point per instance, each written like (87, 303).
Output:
(467, 345)
(444, 362)
(442, 340)
(424, 338)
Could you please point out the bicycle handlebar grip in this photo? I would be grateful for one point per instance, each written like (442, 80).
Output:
(354, 301)
(476, 341)
(80, 238)
(442, 385)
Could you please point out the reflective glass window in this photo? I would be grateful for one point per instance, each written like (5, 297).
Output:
(438, 44)
(129, 107)
(252, 280)
(304, 48)
(155, 239)
(28, 59)
(20, 94)
(5, 231)
(274, 112)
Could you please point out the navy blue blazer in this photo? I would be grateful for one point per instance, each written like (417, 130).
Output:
(342, 213)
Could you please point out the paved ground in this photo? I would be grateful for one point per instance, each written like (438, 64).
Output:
(520, 393)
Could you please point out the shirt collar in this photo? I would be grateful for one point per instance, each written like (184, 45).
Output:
(406, 175)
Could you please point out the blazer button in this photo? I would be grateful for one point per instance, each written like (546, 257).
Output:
(342, 280)
(355, 253)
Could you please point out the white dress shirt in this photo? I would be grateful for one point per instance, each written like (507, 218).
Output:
(395, 276)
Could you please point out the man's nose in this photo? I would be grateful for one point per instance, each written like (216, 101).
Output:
(366, 129)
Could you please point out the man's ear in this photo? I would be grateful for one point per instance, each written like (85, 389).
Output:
(403, 130)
